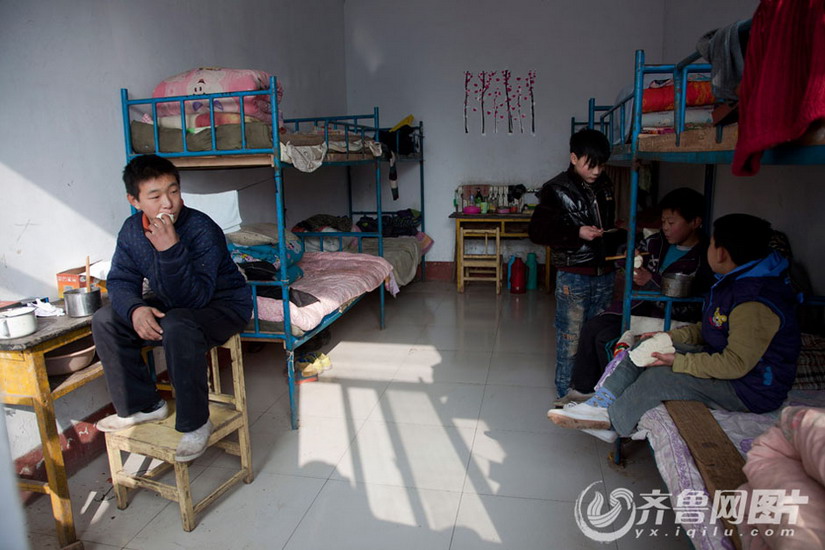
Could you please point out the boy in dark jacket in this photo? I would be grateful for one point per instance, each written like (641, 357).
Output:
(575, 208)
(740, 357)
(199, 300)
(679, 247)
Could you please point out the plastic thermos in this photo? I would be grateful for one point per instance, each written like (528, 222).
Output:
(532, 271)
(518, 277)
(510, 270)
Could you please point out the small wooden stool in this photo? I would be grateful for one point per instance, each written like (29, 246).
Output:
(159, 440)
(480, 267)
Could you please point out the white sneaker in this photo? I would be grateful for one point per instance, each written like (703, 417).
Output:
(608, 436)
(193, 444)
(581, 416)
(115, 423)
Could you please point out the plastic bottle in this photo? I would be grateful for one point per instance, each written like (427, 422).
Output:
(510, 269)
(532, 271)
(518, 277)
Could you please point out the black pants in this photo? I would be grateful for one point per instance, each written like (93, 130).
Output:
(187, 335)
(598, 336)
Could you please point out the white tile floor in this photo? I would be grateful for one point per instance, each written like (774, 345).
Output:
(430, 434)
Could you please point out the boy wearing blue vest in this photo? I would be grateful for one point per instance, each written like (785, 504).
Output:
(740, 357)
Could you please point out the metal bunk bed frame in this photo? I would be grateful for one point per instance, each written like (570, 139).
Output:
(245, 157)
(624, 154)
(627, 154)
(417, 156)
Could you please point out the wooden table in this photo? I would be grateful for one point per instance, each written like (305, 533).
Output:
(23, 381)
(510, 226)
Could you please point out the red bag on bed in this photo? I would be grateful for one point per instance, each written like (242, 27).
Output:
(661, 99)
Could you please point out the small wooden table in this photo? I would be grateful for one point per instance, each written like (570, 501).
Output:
(23, 381)
(510, 226)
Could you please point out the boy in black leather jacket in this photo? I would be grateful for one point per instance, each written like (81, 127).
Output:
(575, 209)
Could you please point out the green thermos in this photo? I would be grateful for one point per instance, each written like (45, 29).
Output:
(532, 271)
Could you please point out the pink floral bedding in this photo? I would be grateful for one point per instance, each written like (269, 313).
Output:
(211, 80)
(334, 278)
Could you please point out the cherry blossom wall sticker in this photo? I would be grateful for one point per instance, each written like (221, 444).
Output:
(498, 96)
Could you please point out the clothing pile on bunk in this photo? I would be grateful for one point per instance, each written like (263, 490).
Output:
(254, 248)
(327, 223)
(400, 224)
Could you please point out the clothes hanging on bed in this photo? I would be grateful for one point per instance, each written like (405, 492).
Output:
(723, 48)
(783, 85)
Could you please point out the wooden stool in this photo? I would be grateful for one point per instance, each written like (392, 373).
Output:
(159, 440)
(479, 267)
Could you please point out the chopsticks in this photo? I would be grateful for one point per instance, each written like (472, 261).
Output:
(622, 256)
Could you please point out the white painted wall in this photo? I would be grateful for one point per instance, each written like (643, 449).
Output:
(61, 148)
(410, 57)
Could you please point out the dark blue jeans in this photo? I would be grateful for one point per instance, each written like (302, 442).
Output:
(639, 389)
(578, 298)
(187, 335)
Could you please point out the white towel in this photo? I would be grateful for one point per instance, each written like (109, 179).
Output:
(221, 207)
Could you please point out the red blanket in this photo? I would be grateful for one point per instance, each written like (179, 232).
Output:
(783, 83)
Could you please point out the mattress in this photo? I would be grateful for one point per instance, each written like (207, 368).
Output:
(335, 279)
(704, 139)
(403, 253)
(311, 147)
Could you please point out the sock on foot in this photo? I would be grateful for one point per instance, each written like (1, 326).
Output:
(603, 398)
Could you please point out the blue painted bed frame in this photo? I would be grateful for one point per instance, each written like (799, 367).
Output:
(365, 126)
(612, 117)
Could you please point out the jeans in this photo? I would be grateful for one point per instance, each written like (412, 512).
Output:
(187, 335)
(578, 298)
(639, 389)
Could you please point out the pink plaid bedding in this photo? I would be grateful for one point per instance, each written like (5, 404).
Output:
(334, 278)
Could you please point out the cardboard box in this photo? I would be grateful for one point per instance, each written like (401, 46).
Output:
(75, 278)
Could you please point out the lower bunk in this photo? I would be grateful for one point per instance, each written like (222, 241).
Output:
(330, 285)
(698, 463)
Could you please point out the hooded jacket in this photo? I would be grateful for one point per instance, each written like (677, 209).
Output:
(766, 385)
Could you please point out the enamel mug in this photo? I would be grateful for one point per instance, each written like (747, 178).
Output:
(17, 322)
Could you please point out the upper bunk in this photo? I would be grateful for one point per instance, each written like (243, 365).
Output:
(668, 116)
(243, 129)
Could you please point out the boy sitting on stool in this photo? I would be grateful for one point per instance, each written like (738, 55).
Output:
(749, 340)
(200, 300)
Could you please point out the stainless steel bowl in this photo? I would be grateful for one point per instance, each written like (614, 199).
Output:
(676, 285)
(82, 302)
